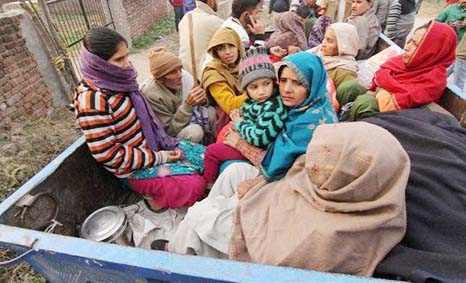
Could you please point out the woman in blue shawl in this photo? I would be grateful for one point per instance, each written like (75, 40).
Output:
(206, 228)
(303, 117)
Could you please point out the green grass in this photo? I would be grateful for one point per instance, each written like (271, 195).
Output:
(161, 28)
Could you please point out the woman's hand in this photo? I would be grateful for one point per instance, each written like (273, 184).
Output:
(173, 155)
(235, 115)
(232, 138)
(245, 186)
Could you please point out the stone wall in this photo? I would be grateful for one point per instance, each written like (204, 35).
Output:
(142, 14)
(22, 87)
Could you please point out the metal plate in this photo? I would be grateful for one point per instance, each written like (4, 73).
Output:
(103, 223)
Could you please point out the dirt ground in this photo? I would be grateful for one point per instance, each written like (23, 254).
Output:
(29, 143)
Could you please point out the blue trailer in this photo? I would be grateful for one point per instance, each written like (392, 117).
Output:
(80, 186)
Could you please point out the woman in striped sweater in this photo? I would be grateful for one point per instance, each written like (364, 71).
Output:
(124, 134)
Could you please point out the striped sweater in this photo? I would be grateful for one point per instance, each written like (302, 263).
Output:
(400, 20)
(262, 121)
(112, 130)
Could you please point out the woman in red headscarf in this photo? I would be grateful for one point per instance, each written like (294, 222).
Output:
(415, 78)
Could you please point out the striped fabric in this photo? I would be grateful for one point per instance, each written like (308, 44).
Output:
(400, 20)
(394, 14)
(112, 130)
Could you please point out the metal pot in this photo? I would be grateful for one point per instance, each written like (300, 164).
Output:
(108, 224)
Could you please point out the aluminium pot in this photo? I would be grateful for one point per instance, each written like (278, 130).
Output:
(107, 224)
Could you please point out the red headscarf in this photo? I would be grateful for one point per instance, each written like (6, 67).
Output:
(451, 2)
(424, 78)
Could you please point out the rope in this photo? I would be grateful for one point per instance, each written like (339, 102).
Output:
(52, 226)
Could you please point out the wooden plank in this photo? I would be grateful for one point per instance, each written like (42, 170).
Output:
(453, 101)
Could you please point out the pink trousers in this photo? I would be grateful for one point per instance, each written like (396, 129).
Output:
(172, 191)
(216, 154)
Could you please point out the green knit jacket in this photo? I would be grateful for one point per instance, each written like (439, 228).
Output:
(262, 121)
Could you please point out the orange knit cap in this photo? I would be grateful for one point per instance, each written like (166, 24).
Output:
(162, 62)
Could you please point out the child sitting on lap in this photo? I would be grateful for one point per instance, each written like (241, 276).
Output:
(261, 117)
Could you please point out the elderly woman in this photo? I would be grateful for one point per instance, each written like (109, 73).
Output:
(343, 202)
(123, 133)
(416, 78)
(338, 52)
(302, 85)
(220, 76)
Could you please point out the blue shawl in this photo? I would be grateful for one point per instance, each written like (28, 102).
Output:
(302, 119)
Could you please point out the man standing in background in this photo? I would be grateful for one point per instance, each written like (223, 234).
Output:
(455, 16)
(364, 19)
(205, 23)
(178, 7)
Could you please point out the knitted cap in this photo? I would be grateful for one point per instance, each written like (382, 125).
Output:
(162, 62)
(255, 64)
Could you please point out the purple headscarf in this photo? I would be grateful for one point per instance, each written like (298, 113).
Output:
(107, 76)
(317, 34)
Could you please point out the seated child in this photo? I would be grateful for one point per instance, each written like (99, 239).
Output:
(261, 117)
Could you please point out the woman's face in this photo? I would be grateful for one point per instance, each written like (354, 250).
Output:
(227, 53)
(412, 45)
(120, 58)
(329, 44)
(291, 89)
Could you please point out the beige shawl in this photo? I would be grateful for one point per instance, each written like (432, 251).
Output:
(340, 208)
(290, 32)
(347, 41)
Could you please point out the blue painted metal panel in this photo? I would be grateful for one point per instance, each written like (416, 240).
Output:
(80, 256)
(389, 41)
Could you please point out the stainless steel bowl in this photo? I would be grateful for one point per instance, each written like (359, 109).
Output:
(107, 224)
